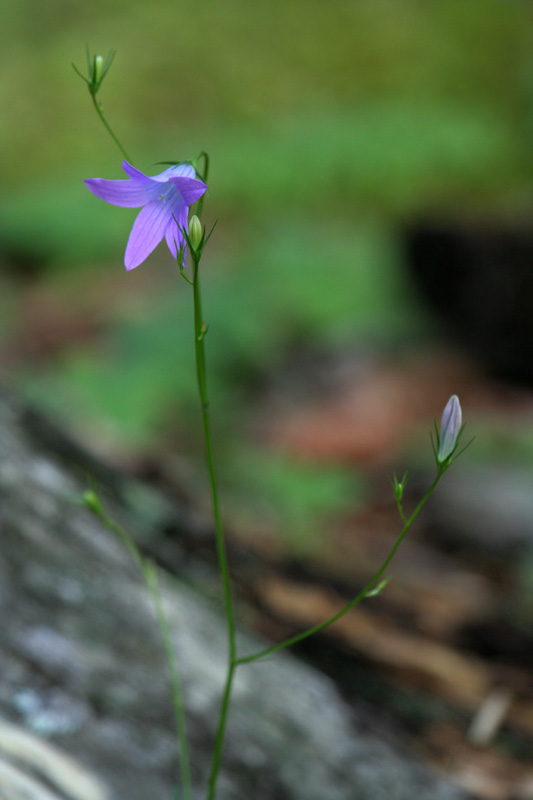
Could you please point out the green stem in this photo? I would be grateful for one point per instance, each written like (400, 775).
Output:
(401, 512)
(221, 731)
(205, 175)
(149, 574)
(356, 600)
(100, 112)
(199, 336)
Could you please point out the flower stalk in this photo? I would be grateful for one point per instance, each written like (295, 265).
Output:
(200, 329)
(148, 572)
(97, 69)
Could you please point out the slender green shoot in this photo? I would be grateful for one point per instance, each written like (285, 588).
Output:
(299, 637)
(200, 330)
(149, 574)
(97, 69)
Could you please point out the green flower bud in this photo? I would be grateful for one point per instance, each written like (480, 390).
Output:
(98, 69)
(92, 502)
(195, 232)
(399, 486)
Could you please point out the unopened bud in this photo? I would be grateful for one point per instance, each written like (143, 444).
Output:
(92, 502)
(98, 69)
(399, 486)
(450, 428)
(195, 232)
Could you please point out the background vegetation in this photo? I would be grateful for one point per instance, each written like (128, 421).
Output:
(331, 127)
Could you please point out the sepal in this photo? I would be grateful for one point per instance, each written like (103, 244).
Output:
(97, 69)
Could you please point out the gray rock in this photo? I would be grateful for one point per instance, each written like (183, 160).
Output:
(486, 508)
(85, 712)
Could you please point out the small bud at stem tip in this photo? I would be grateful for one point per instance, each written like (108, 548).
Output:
(195, 232)
(450, 428)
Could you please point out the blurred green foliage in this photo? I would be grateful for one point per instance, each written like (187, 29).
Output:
(328, 124)
(290, 495)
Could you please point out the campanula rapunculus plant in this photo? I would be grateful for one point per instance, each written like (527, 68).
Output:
(165, 198)
(450, 429)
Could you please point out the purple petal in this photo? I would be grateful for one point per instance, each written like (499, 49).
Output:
(173, 238)
(450, 427)
(190, 189)
(176, 171)
(148, 230)
(134, 173)
(173, 235)
(127, 194)
(184, 171)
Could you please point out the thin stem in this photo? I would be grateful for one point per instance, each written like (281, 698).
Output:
(199, 345)
(401, 512)
(199, 335)
(100, 112)
(149, 574)
(221, 731)
(205, 176)
(356, 600)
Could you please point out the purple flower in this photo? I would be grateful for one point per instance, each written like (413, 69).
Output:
(165, 200)
(450, 428)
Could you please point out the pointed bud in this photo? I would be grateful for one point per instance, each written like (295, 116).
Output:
(399, 486)
(98, 69)
(378, 589)
(92, 502)
(450, 428)
(195, 232)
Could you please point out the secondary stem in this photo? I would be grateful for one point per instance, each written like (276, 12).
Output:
(356, 600)
(149, 574)
(100, 112)
(199, 335)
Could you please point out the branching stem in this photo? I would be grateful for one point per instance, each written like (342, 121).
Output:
(356, 600)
